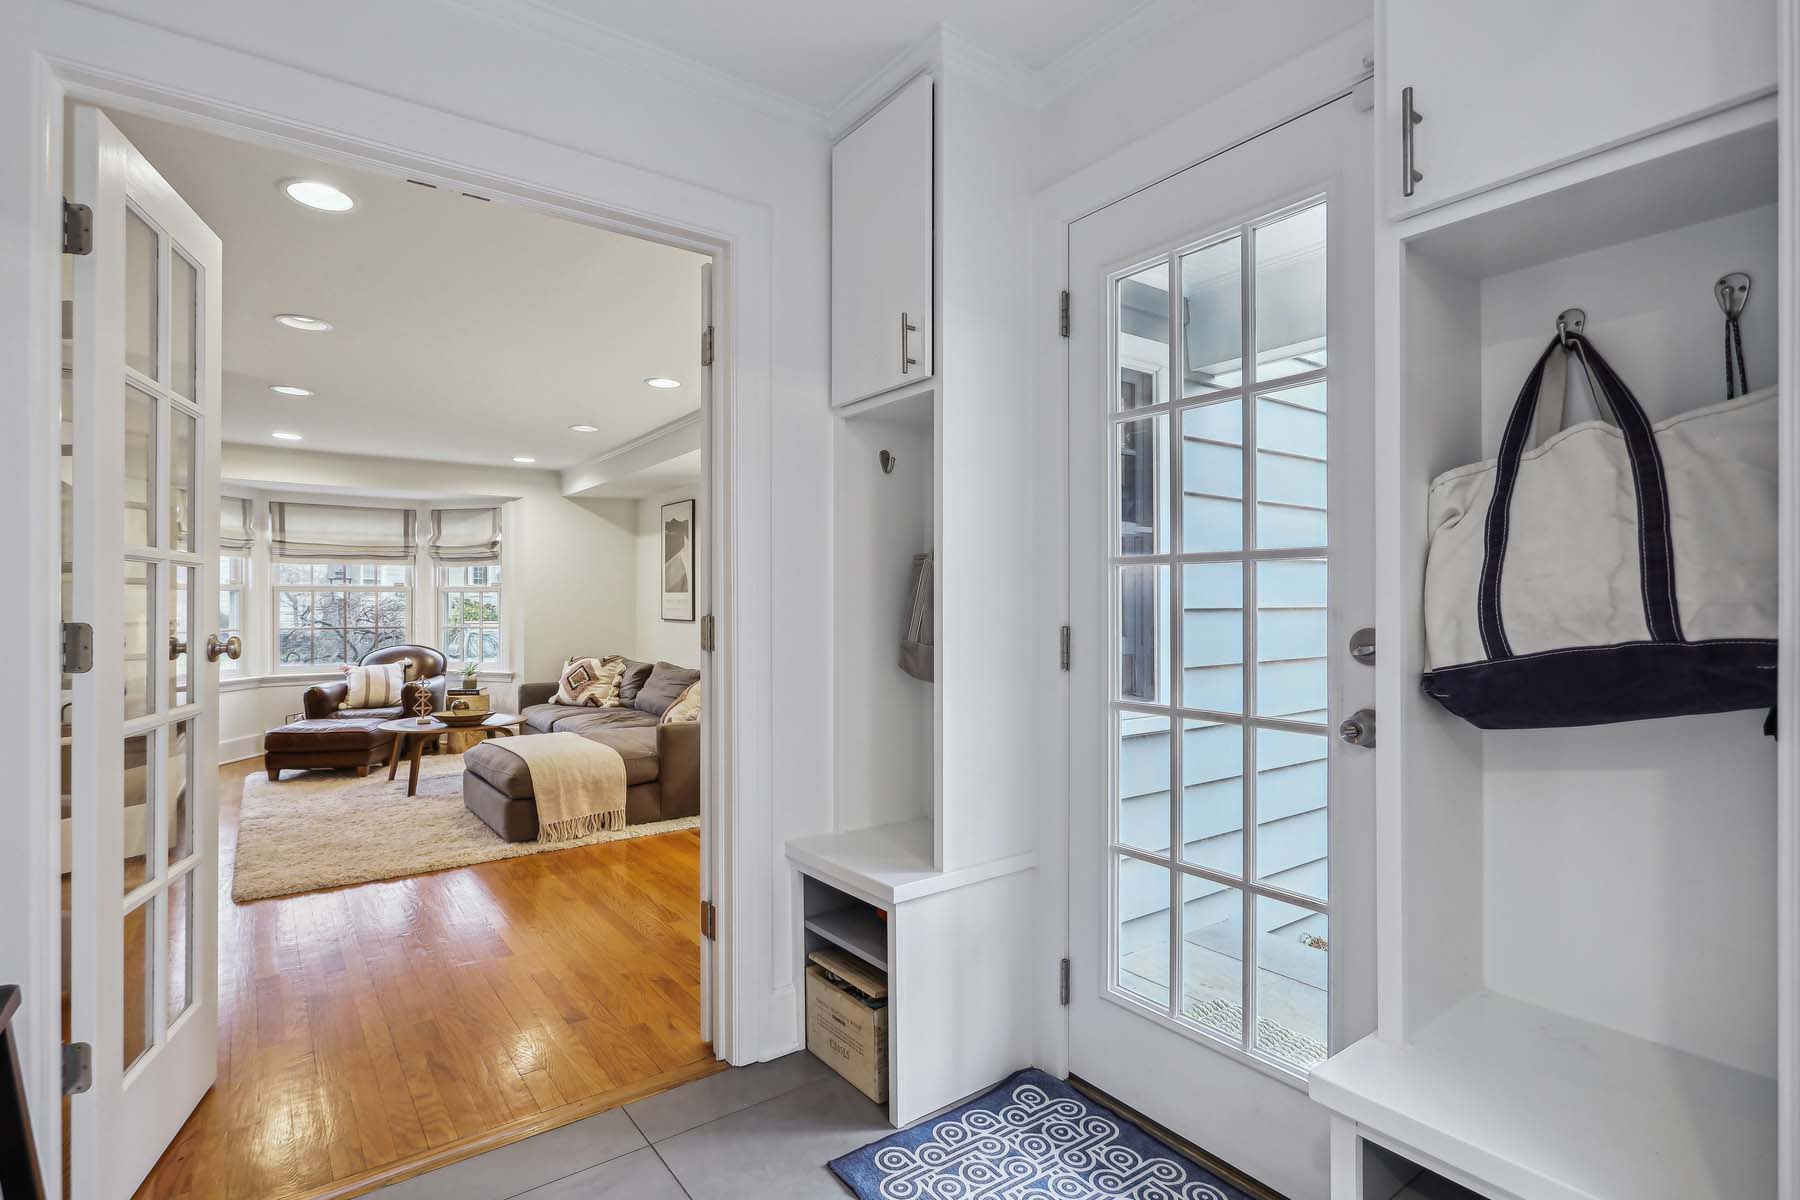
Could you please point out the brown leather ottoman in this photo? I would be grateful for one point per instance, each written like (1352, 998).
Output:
(322, 744)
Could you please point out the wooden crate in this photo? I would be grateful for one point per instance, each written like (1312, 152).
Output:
(849, 1036)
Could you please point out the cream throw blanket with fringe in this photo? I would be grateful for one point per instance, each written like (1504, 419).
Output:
(579, 785)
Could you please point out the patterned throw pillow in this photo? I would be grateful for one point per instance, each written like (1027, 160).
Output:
(593, 682)
(686, 709)
(378, 686)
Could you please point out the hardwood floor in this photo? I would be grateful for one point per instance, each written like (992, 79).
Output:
(363, 1028)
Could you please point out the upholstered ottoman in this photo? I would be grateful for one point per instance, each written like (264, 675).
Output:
(497, 784)
(325, 743)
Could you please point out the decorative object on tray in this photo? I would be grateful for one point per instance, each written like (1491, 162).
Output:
(678, 561)
(1615, 571)
(423, 707)
(461, 711)
(1039, 1135)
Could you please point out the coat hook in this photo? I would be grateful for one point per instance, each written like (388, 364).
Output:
(1732, 291)
(1569, 320)
(887, 462)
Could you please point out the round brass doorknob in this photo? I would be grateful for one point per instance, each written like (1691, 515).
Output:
(232, 648)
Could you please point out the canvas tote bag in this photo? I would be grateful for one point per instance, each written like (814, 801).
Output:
(1615, 571)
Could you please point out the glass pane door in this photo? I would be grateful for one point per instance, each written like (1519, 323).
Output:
(1221, 575)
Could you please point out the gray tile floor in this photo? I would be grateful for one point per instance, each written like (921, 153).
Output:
(766, 1130)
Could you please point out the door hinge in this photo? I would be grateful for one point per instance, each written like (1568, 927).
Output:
(1062, 983)
(78, 228)
(1068, 638)
(708, 631)
(77, 647)
(77, 1068)
(706, 347)
(709, 920)
(1062, 314)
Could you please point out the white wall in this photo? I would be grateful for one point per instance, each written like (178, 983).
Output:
(671, 641)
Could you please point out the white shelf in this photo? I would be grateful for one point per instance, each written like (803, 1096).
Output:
(891, 864)
(1547, 1107)
(857, 930)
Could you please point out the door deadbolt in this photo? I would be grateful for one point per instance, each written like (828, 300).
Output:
(1359, 728)
(1362, 646)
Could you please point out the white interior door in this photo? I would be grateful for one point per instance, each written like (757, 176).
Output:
(144, 866)
(1221, 529)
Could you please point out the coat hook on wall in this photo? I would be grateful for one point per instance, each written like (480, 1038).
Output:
(888, 462)
(1570, 320)
(1732, 291)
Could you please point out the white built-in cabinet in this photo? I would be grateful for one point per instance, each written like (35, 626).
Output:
(881, 248)
(1505, 90)
(1581, 932)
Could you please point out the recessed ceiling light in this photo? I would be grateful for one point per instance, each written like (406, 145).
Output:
(662, 381)
(283, 435)
(585, 428)
(288, 389)
(523, 458)
(316, 193)
(303, 322)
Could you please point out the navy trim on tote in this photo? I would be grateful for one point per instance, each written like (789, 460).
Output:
(1599, 685)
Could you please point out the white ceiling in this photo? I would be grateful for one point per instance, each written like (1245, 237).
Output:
(465, 331)
(816, 52)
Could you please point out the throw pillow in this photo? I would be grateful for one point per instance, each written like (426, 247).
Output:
(378, 686)
(666, 683)
(593, 682)
(632, 681)
(686, 709)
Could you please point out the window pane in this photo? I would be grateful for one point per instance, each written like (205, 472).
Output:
(329, 648)
(181, 774)
(182, 429)
(1290, 294)
(1212, 323)
(361, 608)
(390, 611)
(184, 343)
(291, 572)
(1212, 636)
(393, 576)
(1292, 959)
(1212, 957)
(1292, 835)
(181, 625)
(357, 644)
(1144, 337)
(1144, 930)
(1143, 492)
(1290, 468)
(231, 569)
(1144, 622)
(138, 1011)
(231, 615)
(295, 646)
(1212, 478)
(139, 820)
(1290, 639)
(140, 295)
(140, 578)
(390, 637)
(178, 958)
(140, 466)
(1212, 795)
(1144, 773)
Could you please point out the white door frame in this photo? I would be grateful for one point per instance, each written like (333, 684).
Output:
(298, 111)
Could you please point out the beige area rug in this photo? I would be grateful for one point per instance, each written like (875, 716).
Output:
(328, 829)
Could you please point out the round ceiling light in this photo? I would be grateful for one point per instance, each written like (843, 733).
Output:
(288, 389)
(584, 429)
(662, 381)
(284, 436)
(523, 458)
(303, 322)
(317, 194)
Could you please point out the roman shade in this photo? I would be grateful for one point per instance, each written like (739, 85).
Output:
(307, 532)
(235, 534)
(465, 535)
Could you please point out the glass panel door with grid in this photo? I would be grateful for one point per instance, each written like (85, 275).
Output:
(1220, 557)
(142, 869)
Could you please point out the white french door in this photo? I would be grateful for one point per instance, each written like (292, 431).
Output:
(1220, 559)
(143, 868)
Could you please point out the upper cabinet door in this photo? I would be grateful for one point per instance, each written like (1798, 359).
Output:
(881, 249)
(1505, 90)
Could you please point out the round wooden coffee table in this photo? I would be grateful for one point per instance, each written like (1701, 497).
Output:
(466, 735)
(410, 736)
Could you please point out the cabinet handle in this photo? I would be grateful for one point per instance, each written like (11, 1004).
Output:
(907, 361)
(1409, 117)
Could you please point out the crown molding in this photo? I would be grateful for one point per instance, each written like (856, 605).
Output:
(544, 20)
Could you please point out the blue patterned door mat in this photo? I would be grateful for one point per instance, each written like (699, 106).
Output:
(1033, 1136)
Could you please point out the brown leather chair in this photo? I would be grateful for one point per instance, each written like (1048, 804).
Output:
(424, 669)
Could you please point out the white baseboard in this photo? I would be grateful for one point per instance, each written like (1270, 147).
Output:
(239, 748)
